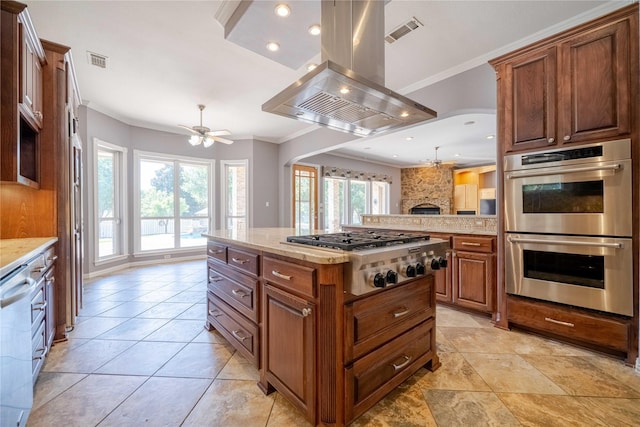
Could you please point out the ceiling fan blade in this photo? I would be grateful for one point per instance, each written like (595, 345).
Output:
(222, 140)
(189, 129)
(219, 132)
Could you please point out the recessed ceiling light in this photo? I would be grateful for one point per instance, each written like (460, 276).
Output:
(311, 67)
(470, 122)
(344, 90)
(273, 46)
(409, 138)
(490, 136)
(404, 114)
(283, 10)
(314, 30)
(456, 155)
(394, 156)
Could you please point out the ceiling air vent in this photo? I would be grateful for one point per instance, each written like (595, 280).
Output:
(403, 30)
(97, 59)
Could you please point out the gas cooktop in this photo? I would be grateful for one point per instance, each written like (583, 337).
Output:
(358, 240)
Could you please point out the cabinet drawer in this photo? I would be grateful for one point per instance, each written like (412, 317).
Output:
(241, 333)
(217, 251)
(375, 320)
(243, 261)
(38, 350)
(379, 372)
(575, 325)
(237, 290)
(38, 307)
(294, 277)
(474, 243)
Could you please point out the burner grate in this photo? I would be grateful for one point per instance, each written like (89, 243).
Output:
(358, 240)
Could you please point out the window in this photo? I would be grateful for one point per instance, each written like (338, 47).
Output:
(235, 194)
(109, 201)
(346, 199)
(305, 199)
(173, 202)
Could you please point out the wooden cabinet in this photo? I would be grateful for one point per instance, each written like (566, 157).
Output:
(465, 197)
(473, 279)
(570, 88)
(233, 297)
(21, 117)
(42, 309)
(290, 347)
(388, 336)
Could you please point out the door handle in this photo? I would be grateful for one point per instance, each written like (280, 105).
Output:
(566, 242)
(613, 167)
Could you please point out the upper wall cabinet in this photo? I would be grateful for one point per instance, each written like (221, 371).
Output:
(570, 88)
(21, 118)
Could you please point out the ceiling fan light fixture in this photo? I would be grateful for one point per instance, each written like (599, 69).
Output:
(208, 142)
(195, 140)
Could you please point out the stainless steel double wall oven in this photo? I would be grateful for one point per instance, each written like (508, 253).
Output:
(568, 223)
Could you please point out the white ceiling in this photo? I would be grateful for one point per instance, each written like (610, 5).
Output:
(165, 57)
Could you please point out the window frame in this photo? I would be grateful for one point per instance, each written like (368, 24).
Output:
(177, 160)
(120, 201)
(223, 191)
(347, 207)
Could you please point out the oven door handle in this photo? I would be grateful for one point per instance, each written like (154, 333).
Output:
(613, 167)
(565, 242)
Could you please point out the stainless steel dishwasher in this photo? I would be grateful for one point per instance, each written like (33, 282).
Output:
(16, 385)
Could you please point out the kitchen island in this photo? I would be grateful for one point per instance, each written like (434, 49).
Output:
(288, 308)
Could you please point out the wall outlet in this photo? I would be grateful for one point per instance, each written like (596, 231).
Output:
(267, 204)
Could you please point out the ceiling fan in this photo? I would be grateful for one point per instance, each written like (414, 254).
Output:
(435, 163)
(204, 135)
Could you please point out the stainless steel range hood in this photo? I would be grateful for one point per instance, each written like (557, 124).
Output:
(346, 92)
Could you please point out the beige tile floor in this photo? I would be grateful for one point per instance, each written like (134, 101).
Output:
(139, 355)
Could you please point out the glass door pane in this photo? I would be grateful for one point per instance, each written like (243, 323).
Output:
(305, 217)
(379, 198)
(194, 202)
(156, 205)
(334, 203)
(236, 192)
(106, 179)
(357, 200)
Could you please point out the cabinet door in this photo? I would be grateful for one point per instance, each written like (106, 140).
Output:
(290, 350)
(465, 197)
(30, 78)
(50, 317)
(594, 98)
(443, 281)
(529, 96)
(472, 280)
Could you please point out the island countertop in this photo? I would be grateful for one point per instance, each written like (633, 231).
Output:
(14, 252)
(274, 240)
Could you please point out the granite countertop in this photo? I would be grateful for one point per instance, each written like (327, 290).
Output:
(14, 252)
(274, 240)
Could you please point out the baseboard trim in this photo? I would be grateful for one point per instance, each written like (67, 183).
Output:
(133, 264)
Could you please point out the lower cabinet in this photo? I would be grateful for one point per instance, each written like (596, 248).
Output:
(43, 322)
(290, 347)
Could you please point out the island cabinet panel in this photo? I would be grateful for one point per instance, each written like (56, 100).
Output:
(372, 321)
(233, 297)
(374, 375)
(236, 289)
(240, 332)
(296, 278)
(290, 347)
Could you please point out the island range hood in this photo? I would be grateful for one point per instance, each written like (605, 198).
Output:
(346, 91)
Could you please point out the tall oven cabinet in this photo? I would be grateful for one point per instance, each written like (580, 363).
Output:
(568, 92)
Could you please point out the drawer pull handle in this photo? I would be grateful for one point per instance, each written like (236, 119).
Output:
(470, 244)
(215, 278)
(238, 336)
(215, 313)
(239, 261)
(219, 251)
(407, 360)
(280, 275)
(559, 322)
(43, 353)
(239, 293)
(53, 258)
(305, 312)
(40, 306)
(401, 313)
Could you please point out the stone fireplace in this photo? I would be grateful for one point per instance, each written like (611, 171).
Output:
(427, 185)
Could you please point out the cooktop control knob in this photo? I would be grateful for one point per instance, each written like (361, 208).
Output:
(411, 271)
(443, 262)
(379, 280)
(392, 276)
(435, 264)
(420, 268)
